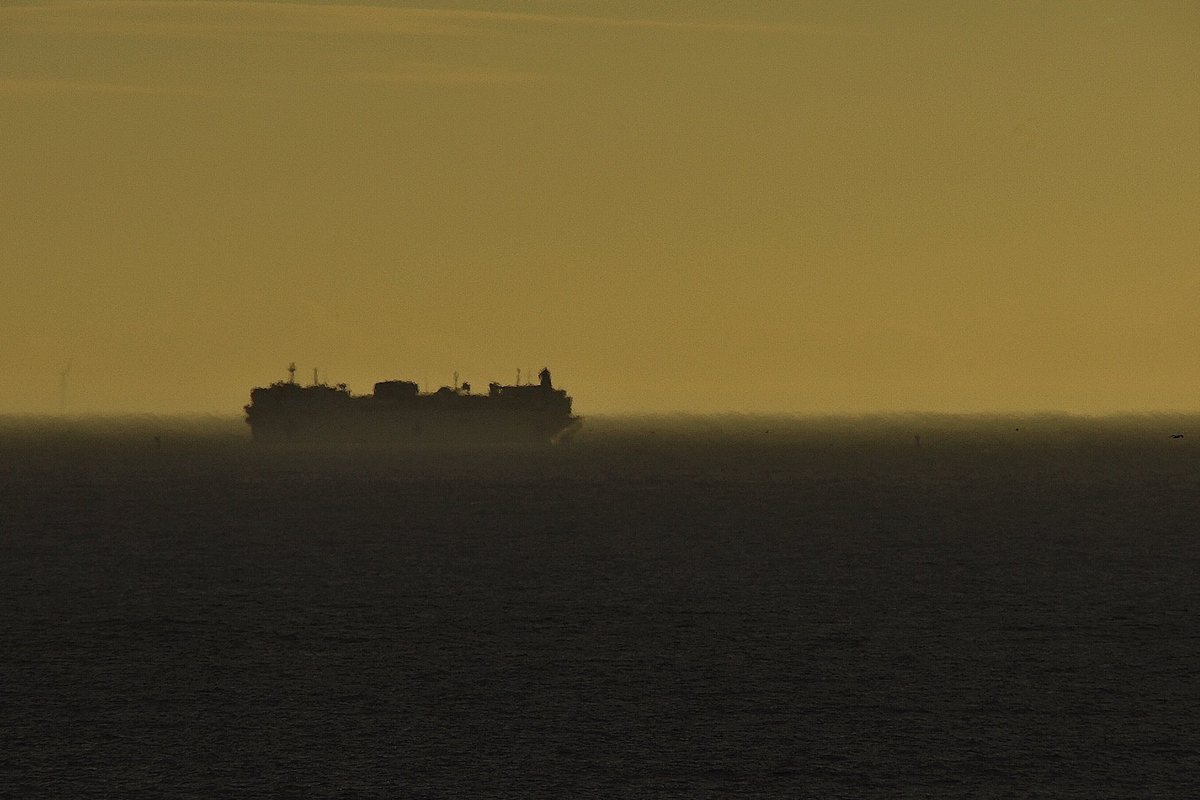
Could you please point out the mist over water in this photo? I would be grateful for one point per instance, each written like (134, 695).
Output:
(697, 606)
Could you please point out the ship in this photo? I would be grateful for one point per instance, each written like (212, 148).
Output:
(396, 412)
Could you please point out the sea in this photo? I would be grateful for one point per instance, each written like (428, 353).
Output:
(901, 606)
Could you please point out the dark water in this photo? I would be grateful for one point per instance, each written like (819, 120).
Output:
(704, 608)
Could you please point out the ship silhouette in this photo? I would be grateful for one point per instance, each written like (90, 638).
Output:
(397, 412)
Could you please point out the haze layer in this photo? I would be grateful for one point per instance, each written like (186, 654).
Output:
(705, 206)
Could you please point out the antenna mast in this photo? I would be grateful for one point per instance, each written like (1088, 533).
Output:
(292, 372)
(62, 386)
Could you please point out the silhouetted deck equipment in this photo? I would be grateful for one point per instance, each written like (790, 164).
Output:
(398, 412)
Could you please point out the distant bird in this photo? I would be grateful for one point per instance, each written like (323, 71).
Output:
(1176, 435)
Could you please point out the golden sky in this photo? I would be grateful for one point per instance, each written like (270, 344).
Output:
(703, 206)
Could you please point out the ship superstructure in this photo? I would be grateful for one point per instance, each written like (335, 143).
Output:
(397, 411)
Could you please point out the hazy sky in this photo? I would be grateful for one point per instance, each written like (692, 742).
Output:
(747, 206)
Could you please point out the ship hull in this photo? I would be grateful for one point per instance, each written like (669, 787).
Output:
(410, 428)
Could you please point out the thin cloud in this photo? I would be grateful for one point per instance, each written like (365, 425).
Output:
(215, 18)
(198, 18)
(238, 19)
(444, 77)
(638, 22)
(42, 86)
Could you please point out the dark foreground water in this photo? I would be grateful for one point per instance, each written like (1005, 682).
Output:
(697, 608)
